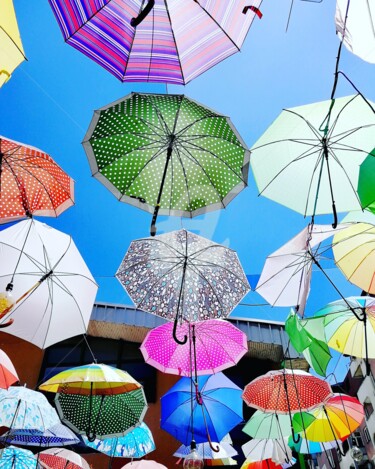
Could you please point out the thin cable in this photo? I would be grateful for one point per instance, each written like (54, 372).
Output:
(90, 349)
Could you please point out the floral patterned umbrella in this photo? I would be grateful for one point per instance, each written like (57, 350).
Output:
(182, 276)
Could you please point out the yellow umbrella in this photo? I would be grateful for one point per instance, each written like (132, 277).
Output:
(11, 49)
(354, 251)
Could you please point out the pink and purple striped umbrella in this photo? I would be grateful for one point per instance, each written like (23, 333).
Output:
(218, 345)
(174, 42)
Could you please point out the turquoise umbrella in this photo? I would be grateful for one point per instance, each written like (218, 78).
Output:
(16, 458)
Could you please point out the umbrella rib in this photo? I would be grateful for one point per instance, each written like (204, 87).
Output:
(174, 40)
(333, 125)
(307, 122)
(177, 151)
(158, 113)
(201, 275)
(221, 267)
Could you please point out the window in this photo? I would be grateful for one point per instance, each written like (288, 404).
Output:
(368, 408)
(366, 435)
(119, 353)
(357, 440)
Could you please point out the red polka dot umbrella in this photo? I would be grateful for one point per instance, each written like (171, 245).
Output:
(31, 183)
(286, 391)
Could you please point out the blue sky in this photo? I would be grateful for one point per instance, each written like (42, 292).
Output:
(50, 100)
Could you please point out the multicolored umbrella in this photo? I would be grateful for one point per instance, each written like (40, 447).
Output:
(268, 426)
(309, 158)
(8, 374)
(53, 288)
(266, 464)
(31, 183)
(152, 41)
(183, 277)
(355, 25)
(220, 462)
(201, 414)
(23, 408)
(17, 458)
(217, 344)
(167, 154)
(144, 464)
(58, 435)
(276, 450)
(61, 458)
(93, 379)
(135, 444)
(333, 420)
(11, 49)
(366, 182)
(354, 252)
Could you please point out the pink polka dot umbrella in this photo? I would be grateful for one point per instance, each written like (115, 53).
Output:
(213, 345)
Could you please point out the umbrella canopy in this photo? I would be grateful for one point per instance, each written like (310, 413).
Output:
(22, 408)
(357, 30)
(17, 458)
(53, 288)
(182, 276)
(95, 378)
(350, 326)
(354, 252)
(61, 458)
(8, 374)
(156, 43)
(276, 450)
(220, 462)
(11, 49)
(286, 275)
(135, 444)
(268, 426)
(366, 182)
(58, 435)
(101, 415)
(266, 464)
(333, 420)
(304, 446)
(204, 412)
(167, 154)
(143, 464)
(314, 152)
(205, 451)
(285, 391)
(31, 183)
(217, 345)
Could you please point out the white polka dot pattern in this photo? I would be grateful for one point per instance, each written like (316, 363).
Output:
(286, 391)
(31, 182)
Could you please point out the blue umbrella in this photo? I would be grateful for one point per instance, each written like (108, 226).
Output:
(311, 447)
(16, 458)
(58, 435)
(134, 444)
(205, 410)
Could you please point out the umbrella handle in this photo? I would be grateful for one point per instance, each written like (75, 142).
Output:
(296, 440)
(254, 9)
(334, 224)
(142, 15)
(176, 339)
(153, 222)
(217, 449)
(91, 436)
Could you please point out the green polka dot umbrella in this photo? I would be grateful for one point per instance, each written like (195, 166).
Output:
(167, 154)
(101, 416)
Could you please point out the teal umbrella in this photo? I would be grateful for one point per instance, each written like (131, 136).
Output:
(271, 426)
(167, 154)
(16, 458)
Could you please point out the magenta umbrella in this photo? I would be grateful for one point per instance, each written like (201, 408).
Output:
(213, 345)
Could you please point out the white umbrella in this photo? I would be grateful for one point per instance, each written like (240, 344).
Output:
(205, 451)
(144, 464)
(359, 35)
(53, 288)
(259, 450)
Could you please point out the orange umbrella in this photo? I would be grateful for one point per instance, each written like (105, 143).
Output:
(8, 374)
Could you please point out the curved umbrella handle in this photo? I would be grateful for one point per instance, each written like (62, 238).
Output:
(296, 440)
(176, 339)
(7, 324)
(334, 224)
(217, 449)
(91, 436)
(142, 15)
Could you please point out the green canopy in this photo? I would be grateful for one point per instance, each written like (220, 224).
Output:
(270, 426)
(366, 182)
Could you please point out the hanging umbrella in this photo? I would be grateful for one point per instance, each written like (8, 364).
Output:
(354, 252)
(276, 450)
(182, 276)
(58, 435)
(205, 451)
(144, 464)
(95, 378)
(286, 275)
(61, 458)
(357, 30)
(311, 343)
(366, 182)
(11, 49)
(135, 444)
(8, 374)
(167, 154)
(220, 462)
(217, 345)
(308, 160)
(31, 183)
(22, 408)
(266, 464)
(312, 447)
(333, 420)
(267, 426)
(152, 41)
(17, 458)
(53, 289)
(205, 412)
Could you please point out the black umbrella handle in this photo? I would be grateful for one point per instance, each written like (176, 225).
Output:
(153, 222)
(334, 224)
(296, 440)
(176, 339)
(91, 436)
(142, 15)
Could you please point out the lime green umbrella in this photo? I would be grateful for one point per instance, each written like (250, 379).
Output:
(366, 182)
(167, 154)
